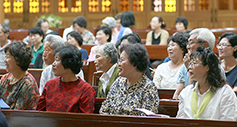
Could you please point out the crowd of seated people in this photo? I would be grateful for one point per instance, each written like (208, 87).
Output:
(200, 79)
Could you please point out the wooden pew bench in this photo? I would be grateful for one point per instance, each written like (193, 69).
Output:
(20, 118)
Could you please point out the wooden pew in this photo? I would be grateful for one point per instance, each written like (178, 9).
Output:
(166, 93)
(88, 71)
(20, 118)
(157, 51)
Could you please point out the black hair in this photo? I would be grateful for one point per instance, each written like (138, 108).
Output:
(137, 55)
(41, 21)
(181, 39)
(107, 30)
(36, 30)
(80, 21)
(233, 41)
(225, 35)
(70, 57)
(210, 59)
(127, 19)
(21, 53)
(163, 25)
(132, 38)
(184, 20)
(77, 37)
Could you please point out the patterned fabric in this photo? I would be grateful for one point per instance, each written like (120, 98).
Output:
(77, 96)
(2, 55)
(35, 53)
(123, 99)
(23, 95)
(88, 38)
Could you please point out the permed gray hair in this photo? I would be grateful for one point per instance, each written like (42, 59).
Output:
(109, 51)
(205, 34)
(55, 40)
(5, 28)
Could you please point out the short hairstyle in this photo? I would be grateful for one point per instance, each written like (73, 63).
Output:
(36, 30)
(5, 28)
(21, 53)
(80, 21)
(210, 59)
(109, 51)
(70, 57)
(55, 40)
(225, 35)
(41, 21)
(205, 35)
(132, 38)
(163, 25)
(118, 16)
(77, 37)
(127, 19)
(181, 39)
(109, 21)
(137, 55)
(183, 20)
(233, 41)
(106, 30)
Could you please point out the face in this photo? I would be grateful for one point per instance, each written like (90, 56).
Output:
(48, 53)
(174, 50)
(35, 38)
(11, 63)
(58, 68)
(72, 40)
(196, 70)
(126, 69)
(155, 23)
(225, 49)
(118, 24)
(3, 36)
(180, 27)
(101, 37)
(44, 26)
(101, 62)
(192, 43)
(78, 28)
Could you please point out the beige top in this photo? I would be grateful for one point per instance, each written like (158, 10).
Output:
(163, 38)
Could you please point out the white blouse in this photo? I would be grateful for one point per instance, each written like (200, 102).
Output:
(165, 77)
(222, 106)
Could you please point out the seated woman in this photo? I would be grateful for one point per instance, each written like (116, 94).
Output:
(181, 25)
(18, 88)
(227, 50)
(209, 97)
(76, 39)
(158, 36)
(67, 93)
(103, 35)
(36, 36)
(106, 60)
(166, 74)
(132, 89)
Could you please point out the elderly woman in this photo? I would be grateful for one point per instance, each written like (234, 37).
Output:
(158, 36)
(76, 39)
(166, 74)
(132, 89)
(103, 35)
(106, 60)
(227, 51)
(67, 93)
(18, 88)
(36, 36)
(209, 97)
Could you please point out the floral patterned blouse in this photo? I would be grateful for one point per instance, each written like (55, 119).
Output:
(88, 38)
(23, 95)
(123, 99)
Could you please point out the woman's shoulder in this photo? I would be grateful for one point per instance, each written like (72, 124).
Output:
(164, 31)
(83, 50)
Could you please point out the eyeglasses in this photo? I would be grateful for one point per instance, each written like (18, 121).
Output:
(191, 43)
(222, 45)
(193, 64)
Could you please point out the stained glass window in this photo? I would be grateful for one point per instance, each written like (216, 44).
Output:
(18, 6)
(189, 5)
(34, 6)
(157, 5)
(7, 6)
(123, 5)
(235, 4)
(106, 5)
(203, 5)
(138, 5)
(170, 5)
(45, 6)
(62, 6)
(93, 6)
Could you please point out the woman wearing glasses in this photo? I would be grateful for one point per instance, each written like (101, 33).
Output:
(227, 51)
(209, 97)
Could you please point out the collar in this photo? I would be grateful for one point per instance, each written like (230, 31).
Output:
(197, 90)
(134, 87)
(108, 74)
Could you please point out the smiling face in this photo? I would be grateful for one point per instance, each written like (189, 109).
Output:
(126, 69)
(11, 63)
(101, 37)
(3, 36)
(58, 68)
(174, 50)
(72, 40)
(225, 49)
(48, 53)
(192, 43)
(45, 27)
(101, 62)
(35, 39)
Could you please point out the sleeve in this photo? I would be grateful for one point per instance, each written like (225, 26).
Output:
(92, 54)
(42, 102)
(157, 77)
(182, 74)
(164, 37)
(150, 99)
(29, 96)
(81, 75)
(127, 31)
(167, 59)
(43, 81)
(180, 113)
(228, 105)
(3, 120)
(88, 100)
(38, 61)
(91, 39)
(149, 38)
(84, 54)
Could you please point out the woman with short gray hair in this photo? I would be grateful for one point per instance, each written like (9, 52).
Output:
(106, 60)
